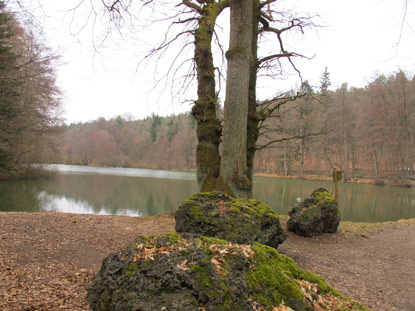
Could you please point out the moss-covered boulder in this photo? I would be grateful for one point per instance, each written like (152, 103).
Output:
(242, 221)
(176, 274)
(317, 214)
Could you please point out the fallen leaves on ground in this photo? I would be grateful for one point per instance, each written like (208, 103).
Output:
(36, 287)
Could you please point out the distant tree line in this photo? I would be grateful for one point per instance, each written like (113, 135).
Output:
(156, 142)
(366, 132)
(29, 99)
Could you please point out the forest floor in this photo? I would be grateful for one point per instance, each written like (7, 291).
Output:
(48, 259)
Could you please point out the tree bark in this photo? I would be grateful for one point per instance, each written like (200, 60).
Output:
(209, 129)
(233, 167)
(253, 118)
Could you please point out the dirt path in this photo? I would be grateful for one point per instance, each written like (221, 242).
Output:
(377, 269)
(48, 259)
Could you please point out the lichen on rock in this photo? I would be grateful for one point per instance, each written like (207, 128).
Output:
(239, 220)
(172, 273)
(316, 215)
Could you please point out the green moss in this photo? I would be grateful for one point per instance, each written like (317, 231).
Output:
(201, 275)
(255, 206)
(206, 283)
(239, 215)
(244, 183)
(218, 184)
(237, 50)
(324, 196)
(197, 213)
(210, 240)
(309, 213)
(105, 300)
(141, 239)
(174, 238)
(118, 294)
(269, 273)
(227, 303)
(131, 268)
(270, 277)
(234, 209)
(208, 74)
(279, 273)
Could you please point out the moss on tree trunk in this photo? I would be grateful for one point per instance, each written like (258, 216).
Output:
(209, 129)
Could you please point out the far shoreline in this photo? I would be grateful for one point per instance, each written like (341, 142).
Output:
(371, 181)
(377, 182)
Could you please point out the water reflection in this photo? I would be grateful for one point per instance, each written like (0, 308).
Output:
(358, 202)
(111, 192)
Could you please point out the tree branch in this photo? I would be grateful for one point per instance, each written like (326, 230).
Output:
(193, 6)
(260, 147)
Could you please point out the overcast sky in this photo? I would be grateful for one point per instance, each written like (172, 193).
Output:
(359, 39)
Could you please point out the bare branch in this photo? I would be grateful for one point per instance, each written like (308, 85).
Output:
(278, 140)
(193, 6)
(267, 2)
(186, 20)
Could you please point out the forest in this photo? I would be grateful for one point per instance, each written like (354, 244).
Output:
(365, 132)
(29, 97)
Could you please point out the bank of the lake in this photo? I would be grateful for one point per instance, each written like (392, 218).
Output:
(48, 259)
(371, 181)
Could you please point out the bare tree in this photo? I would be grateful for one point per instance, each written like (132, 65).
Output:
(193, 24)
(30, 99)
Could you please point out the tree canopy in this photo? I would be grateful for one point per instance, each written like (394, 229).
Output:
(29, 102)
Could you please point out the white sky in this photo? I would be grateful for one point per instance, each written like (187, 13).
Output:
(359, 39)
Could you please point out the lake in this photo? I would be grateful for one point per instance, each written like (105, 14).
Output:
(142, 192)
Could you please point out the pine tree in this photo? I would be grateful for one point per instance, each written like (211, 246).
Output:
(325, 81)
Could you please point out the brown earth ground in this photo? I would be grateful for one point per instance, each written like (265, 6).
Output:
(48, 259)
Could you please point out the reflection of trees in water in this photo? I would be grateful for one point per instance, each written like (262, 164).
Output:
(150, 196)
(20, 196)
(377, 203)
(358, 202)
(282, 194)
(112, 194)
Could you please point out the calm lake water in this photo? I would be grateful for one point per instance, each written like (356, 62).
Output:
(141, 192)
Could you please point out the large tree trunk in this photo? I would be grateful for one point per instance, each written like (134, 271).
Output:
(209, 128)
(233, 167)
(253, 119)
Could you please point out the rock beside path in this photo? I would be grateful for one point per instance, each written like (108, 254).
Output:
(316, 215)
(172, 273)
(242, 221)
